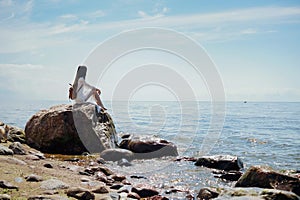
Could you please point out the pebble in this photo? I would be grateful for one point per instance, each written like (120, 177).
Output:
(80, 193)
(133, 195)
(12, 160)
(5, 151)
(116, 186)
(53, 184)
(32, 157)
(17, 148)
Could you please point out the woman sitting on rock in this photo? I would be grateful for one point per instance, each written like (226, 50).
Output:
(81, 91)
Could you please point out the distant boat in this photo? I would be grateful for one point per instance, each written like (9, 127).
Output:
(245, 101)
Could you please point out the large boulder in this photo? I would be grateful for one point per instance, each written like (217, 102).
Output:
(67, 129)
(266, 178)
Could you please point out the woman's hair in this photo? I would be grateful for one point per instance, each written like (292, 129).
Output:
(81, 73)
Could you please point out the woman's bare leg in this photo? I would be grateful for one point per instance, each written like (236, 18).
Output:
(98, 100)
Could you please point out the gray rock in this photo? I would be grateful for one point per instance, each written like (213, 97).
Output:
(222, 162)
(73, 130)
(5, 151)
(116, 154)
(17, 148)
(4, 197)
(53, 184)
(7, 185)
(47, 197)
(33, 178)
(101, 189)
(12, 160)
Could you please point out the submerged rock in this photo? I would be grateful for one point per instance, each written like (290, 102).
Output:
(146, 149)
(116, 154)
(266, 178)
(222, 162)
(67, 129)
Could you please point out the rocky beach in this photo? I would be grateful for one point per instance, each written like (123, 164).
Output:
(68, 152)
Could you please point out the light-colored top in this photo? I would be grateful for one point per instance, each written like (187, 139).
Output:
(84, 91)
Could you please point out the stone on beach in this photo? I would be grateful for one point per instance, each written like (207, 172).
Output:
(67, 129)
(5, 151)
(222, 162)
(17, 148)
(266, 178)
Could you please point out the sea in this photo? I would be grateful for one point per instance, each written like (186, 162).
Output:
(259, 133)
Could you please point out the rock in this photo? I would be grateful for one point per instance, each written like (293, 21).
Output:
(12, 160)
(53, 184)
(124, 163)
(222, 162)
(46, 197)
(147, 149)
(116, 186)
(144, 192)
(5, 151)
(16, 134)
(6, 185)
(116, 154)
(228, 175)
(17, 148)
(133, 195)
(157, 197)
(255, 193)
(207, 193)
(32, 157)
(118, 178)
(67, 129)
(278, 194)
(48, 165)
(266, 178)
(101, 189)
(80, 193)
(4, 197)
(33, 178)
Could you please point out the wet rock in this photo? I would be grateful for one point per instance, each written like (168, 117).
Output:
(222, 162)
(17, 148)
(80, 193)
(138, 177)
(228, 175)
(157, 197)
(116, 154)
(147, 149)
(48, 165)
(11, 133)
(53, 184)
(7, 185)
(266, 178)
(124, 163)
(5, 151)
(33, 178)
(145, 192)
(61, 129)
(207, 193)
(4, 197)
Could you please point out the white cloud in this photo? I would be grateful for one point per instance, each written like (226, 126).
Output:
(142, 14)
(249, 31)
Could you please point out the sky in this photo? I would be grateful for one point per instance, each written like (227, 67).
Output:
(254, 44)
